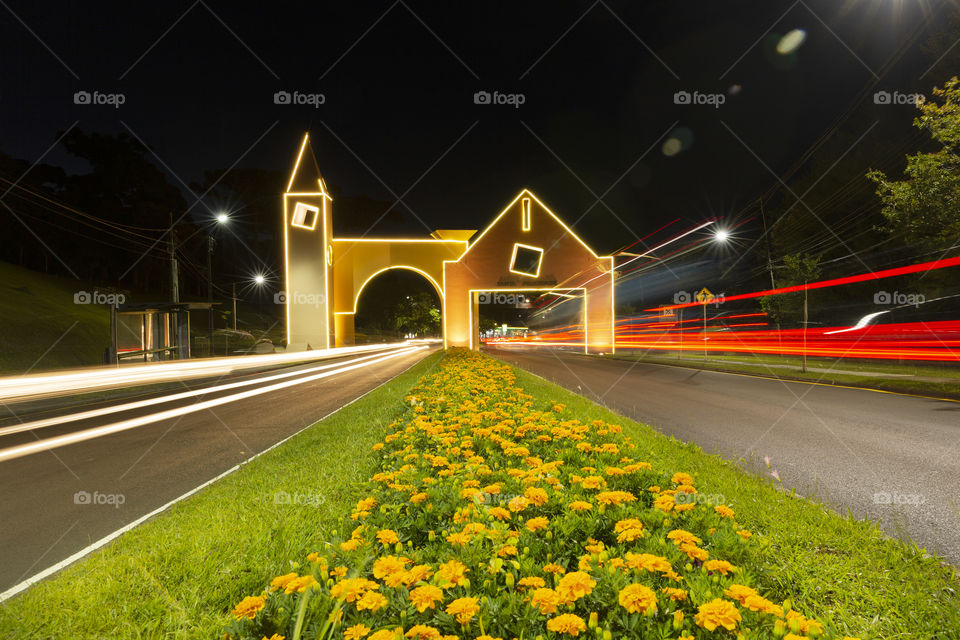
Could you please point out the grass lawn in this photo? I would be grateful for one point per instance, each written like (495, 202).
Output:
(37, 313)
(178, 575)
(917, 378)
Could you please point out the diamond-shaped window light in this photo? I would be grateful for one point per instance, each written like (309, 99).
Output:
(305, 216)
(526, 260)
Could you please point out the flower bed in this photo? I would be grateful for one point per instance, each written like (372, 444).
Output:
(494, 517)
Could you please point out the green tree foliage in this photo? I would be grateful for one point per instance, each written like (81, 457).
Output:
(418, 314)
(924, 207)
(786, 309)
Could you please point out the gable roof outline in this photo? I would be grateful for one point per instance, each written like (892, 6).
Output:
(525, 193)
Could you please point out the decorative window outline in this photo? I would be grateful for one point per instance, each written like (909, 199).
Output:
(299, 216)
(525, 208)
(513, 260)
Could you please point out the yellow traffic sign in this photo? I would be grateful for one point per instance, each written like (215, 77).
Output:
(704, 295)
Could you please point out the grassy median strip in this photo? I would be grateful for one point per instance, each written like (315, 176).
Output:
(506, 507)
(843, 571)
(178, 575)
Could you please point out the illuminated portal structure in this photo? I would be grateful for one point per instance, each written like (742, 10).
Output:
(526, 248)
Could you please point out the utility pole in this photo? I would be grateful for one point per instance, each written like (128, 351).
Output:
(174, 267)
(680, 327)
(766, 237)
(234, 291)
(210, 293)
(804, 325)
(704, 329)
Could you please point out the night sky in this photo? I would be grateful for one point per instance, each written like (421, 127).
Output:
(398, 80)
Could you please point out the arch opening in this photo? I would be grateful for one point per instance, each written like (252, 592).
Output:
(397, 303)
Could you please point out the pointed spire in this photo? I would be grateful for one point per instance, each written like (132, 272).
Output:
(305, 177)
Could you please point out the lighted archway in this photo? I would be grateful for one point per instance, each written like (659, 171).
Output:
(527, 247)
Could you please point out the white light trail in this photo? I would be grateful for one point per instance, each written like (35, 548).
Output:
(139, 404)
(19, 451)
(16, 388)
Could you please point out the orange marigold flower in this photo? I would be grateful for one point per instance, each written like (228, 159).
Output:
(386, 634)
(647, 562)
(372, 600)
(724, 511)
(537, 496)
(352, 588)
(663, 503)
(580, 505)
(280, 582)
(574, 586)
(546, 600)
(423, 632)
(720, 566)
(739, 592)
(387, 537)
(536, 524)
(389, 565)
(677, 595)
(463, 609)
(567, 623)
(458, 539)
(356, 632)
(681, 536)
(681, 478)
(636, 598)
(417, 498)
(592, 482)
(762, 605)
(500, 513)
(532, 581)
(743, 533)
(248, 607)
(518, 504)
(553, 568)
(452, 573)
(694, 552)
(299, 585)
(717, 613)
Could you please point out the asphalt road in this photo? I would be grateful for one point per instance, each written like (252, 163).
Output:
(842, 446)
(42, 523)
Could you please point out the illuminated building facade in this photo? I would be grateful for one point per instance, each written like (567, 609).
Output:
(526, 248)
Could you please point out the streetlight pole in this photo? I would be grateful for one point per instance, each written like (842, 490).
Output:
(234, 291)
(210, 293)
